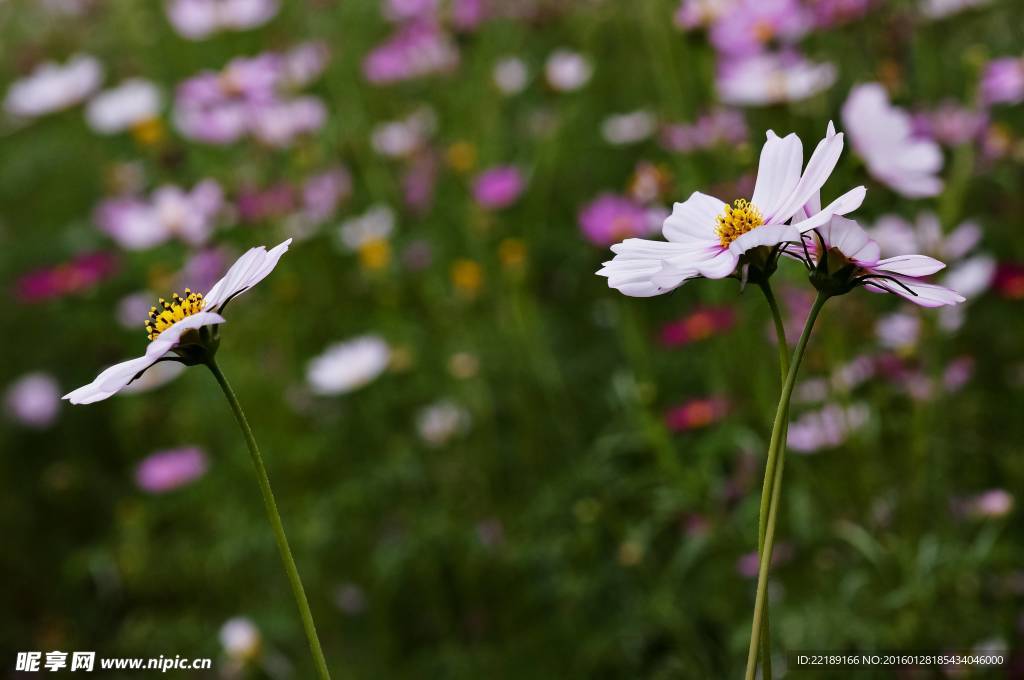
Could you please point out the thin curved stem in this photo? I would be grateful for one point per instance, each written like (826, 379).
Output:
(275, 524)
(769, 471)
(776, 459)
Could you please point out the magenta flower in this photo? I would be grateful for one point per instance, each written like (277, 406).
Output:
(498, 187)
(168, 470)
(76, 276)
(696, 413)
(419, 48)
(610, 218)
(699, 325)
(1003, 81)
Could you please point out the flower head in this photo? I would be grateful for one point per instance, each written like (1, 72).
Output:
(707, 237)
(882, 135)
(843, 257)
(346, 366)
(199, 19)
(54, 87)
(771, 78)
(167, 470)
(184, 329)
(498, 187)
(132, 103)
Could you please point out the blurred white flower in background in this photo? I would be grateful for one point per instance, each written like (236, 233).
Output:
(240, 639)
(398, 138)
(376, 224)
(132, 102)
(346, 366)
(53, 87)
(511, 75)
(198, 19)
(628, 128)
(170, 211)
(768, 78)
(33, 400)
(440, 422)
(899, 331)
(939, 9)
(566, 70)
(827, 428)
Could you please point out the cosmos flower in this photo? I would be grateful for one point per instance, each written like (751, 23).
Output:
(403, 137)
(418, 49)
(940, 9)
(745, 27)
(882, 135)
(628, 128)
(346, 366)
(33, 400)
(439, 423)
(771, 78)
(852, 259)
(698, 325)
(199, 19)
(566, 70)
(240, 639)
(54, 87)
(168, 470)
(826, 428)
(611, 217)
(696, 413)
(1003, 81)
(78, 275)
(133, 102)
(183, 329)
(951, 124)
(511, 75)
(720, 126)
(707, 237)
(498, 187)
(693, 14)
(138, 224)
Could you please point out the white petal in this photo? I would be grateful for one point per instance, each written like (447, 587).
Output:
(693, 219)
(851, 240)
(843, 205)
(768, 235)
(114, 379)
(778, 172)
(923, 294)
(246, 272)
(642, 268)
(910, 265)
(819, 167)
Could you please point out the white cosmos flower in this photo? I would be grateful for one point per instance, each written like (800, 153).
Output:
(132, 102)
(882, 135)
(347, 366)
(707, 237)
(901, 275)
(566, 70)
(53, 87)
(199, 19)
(178, 325)
(767, 78)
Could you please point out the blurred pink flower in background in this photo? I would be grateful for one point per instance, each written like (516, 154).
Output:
(771, 78)
(76, 276)
(419, 48)
(201, 270)
(826, 428)
(53, 87)
(132, 102)
(693, 14)
(170, 469)
(829, 13)
(746, 27)
(718, 127)
(1003, 81)
(698, 325)
(882, 135)
(748, 564)
(169, 212)
(199, 19)
(993, 503)
(498, 187)
(33, 400)
(324, 191)
(696, 413)
(610, 218)
(256, 204)
(939, 9)
(951, 124)
(419, 182)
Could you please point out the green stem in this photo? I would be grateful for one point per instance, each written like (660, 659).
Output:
(769, 471)
(776, 462)
(275, 524)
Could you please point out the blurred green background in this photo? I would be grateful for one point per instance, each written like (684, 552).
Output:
(560, 525)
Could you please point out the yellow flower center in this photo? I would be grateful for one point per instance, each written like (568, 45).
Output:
(736, 220)
(167, 313)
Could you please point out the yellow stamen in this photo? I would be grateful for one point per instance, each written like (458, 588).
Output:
(165, 314)
(737, 219)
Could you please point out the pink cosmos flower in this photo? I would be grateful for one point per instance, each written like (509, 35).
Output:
(199, 19)
(167, 470)
(747, 26)
(693, 14)
(138, 224)
(419, 48)
(849, 247)
(717, 127)
(80, 274)
(611, 217)
(826, 428)
(771, 78)
(1003, 81)
(498, 187)
(882, 135)
(951, 124)
(707, 237)
(698, 325)
(830, 13)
